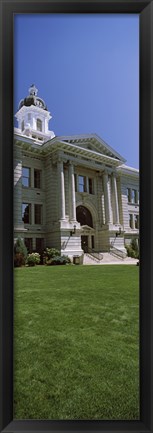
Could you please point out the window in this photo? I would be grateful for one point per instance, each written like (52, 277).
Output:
(39, 125)
(37, 178)
(92, 241)
(38, 214)
(136, 221)
(39, 245)
(130, 221)
(134, 196)
(26, 213)
(90, 186)
(129, 194)
(28, 244)
(82, 184)
(25, 177)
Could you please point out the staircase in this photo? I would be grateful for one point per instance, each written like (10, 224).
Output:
(108, 259)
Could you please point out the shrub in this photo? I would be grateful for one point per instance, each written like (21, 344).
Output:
(19, 260)
(20, 253)
(132, 249)
(49, 253)
(33, 259)
(58, 260)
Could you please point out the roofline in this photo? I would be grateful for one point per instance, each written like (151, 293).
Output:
(95, 136)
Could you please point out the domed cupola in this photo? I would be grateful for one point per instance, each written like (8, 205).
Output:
(33, 117)
(32, 99)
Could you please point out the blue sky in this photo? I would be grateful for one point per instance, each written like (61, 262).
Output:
(86, 68)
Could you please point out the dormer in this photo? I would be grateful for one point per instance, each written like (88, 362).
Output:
(33, 117)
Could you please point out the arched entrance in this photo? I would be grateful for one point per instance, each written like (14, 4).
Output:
(84, 217)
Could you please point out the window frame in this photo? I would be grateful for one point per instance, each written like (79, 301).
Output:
(29, 214)
(40, 206)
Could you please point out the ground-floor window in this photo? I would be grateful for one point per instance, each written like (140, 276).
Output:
(39, 245)
(28, 244)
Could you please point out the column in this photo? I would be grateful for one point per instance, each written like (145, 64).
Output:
(72, 200)
(116, 209)
(61, 190)
(107, 199)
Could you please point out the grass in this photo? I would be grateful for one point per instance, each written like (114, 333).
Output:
(76, 342)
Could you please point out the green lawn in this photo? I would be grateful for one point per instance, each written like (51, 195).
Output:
(76, 342)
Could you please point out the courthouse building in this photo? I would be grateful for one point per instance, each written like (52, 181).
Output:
(73, 193)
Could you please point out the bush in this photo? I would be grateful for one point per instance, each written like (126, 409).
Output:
(33, 259)
(132, 249)
(20, 253)
(19, 260)
(50, 253)
(58, 260)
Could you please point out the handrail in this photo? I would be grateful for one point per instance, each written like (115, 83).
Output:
(115, 251)
(94, 254)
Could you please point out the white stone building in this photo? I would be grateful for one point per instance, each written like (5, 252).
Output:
(73, 193)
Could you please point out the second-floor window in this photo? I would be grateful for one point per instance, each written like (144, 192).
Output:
(37, 178)
(129, 195)
(90, 184)
(25, 176)
(82, 184)
(134, 196)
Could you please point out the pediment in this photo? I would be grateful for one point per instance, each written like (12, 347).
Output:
(93, 143)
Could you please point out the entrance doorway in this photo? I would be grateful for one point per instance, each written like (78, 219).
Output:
(84, 243)
(84, 216)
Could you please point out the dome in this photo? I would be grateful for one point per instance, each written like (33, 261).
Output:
(33, 99)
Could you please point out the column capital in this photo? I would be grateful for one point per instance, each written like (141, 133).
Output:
(114, 174)
(59, 160)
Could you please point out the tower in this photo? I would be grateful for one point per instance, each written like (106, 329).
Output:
(33, 118)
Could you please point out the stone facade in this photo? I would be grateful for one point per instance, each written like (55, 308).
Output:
(72, 193)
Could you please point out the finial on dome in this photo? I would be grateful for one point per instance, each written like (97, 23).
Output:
(33, 90)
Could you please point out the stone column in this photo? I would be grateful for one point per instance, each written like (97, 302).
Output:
(72, 199)
(61, 190)
(107, 202)
(116, 208)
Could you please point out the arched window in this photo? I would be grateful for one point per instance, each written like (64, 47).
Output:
(84, 216)
(22, 125)
(39, 125)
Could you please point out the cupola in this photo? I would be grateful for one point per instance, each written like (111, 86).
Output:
(33, 117)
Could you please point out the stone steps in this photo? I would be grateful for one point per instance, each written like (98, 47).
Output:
(108, 259)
